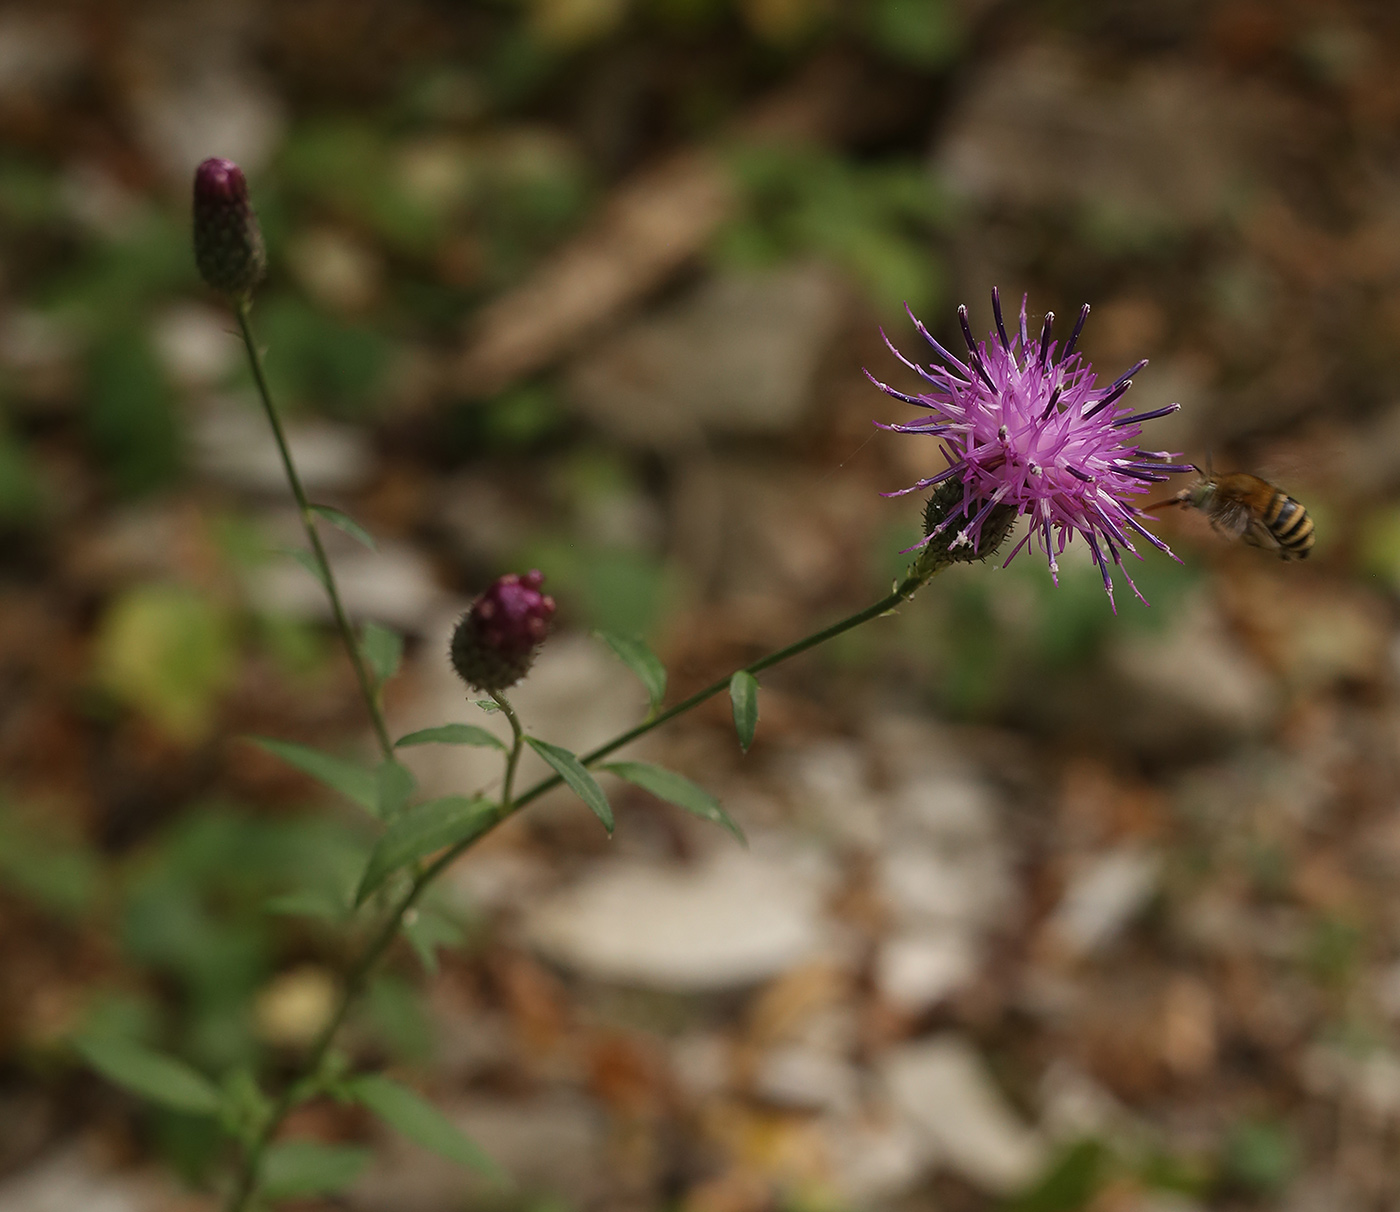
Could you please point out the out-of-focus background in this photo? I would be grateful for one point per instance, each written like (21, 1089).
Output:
(1043, 910)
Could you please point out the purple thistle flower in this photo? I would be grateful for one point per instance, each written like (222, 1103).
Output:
(495, 642)
(1024, 424)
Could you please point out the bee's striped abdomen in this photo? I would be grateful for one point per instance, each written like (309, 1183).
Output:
(1290, 525)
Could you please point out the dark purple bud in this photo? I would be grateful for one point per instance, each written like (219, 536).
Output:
(228, 243)
(495, 643)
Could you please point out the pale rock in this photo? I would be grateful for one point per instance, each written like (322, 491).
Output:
(34, 341)
(876, 1157)
(795, 1075)
(231, 443)
(1075, 1107)
(739, 355)
(69, 1178)
(194, 90)
(702, 1064)
(942, 1086)
(336, 269)
(393, 585)
(1188, 682)
(195, 344)
(1103, 898)
(41, 49)
(733, 920)
(555, 1145)
(1160, 145)
(923, 884)
(950, 808)
(832, 779)
(916, 971)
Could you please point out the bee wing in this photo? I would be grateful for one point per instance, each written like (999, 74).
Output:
(1256, 534)
(1234, 521)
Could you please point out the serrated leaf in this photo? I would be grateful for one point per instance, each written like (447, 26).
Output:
(344, 522)
(452, 734)
(295, 1168)
(383, 650)
(426, 933)
(634, 653)
(676, 789)
(309, 561)
(419, 831)
(395, 783)
(352, 781)
(743, 694)
(567, 766)
(416, 1118)
(153, 1075)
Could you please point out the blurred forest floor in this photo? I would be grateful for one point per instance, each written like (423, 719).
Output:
(1044, 909)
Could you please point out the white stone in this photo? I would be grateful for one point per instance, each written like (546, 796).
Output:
(923, 884)
(876, 1157)
(393, 585)
(555, 1145)
(1103, 898)
(68, 1179)
(832, 780)
(942, 1086)
(795, 1075)
(733, 920)
(196, 344)
(740, 354)
(950, 808)
(915, 972)
(231, 442)
(1190, 680)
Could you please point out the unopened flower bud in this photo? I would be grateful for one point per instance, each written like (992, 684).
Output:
(228, 243)
(494, 645)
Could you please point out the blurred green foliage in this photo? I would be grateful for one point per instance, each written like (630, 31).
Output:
(169, 652)
(1259, 1155)
(55, 873)
(131, 419)
(877, 221)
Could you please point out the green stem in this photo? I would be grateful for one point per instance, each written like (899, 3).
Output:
(379, 943)
(308, 521)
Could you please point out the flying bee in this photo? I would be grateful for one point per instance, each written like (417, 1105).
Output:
(1242, 506)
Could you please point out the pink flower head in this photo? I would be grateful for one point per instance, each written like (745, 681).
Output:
(1026, 425)
(494, 644)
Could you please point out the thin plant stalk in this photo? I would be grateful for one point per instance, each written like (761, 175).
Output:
(246, 1182)
(308, 520)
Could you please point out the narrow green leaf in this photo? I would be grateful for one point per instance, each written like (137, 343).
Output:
(395, 783)
(307, 902)
(416, 1118)
(309, 561)
(640, 659)
(383, 650)
(295, 1168)
(353, 782)
(452, 734)
(743, 694)
(344, 522)
(570, 769)
(243, 1107)
(676, 789)
(426, 932)
(419, 831)
(153, 1075)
